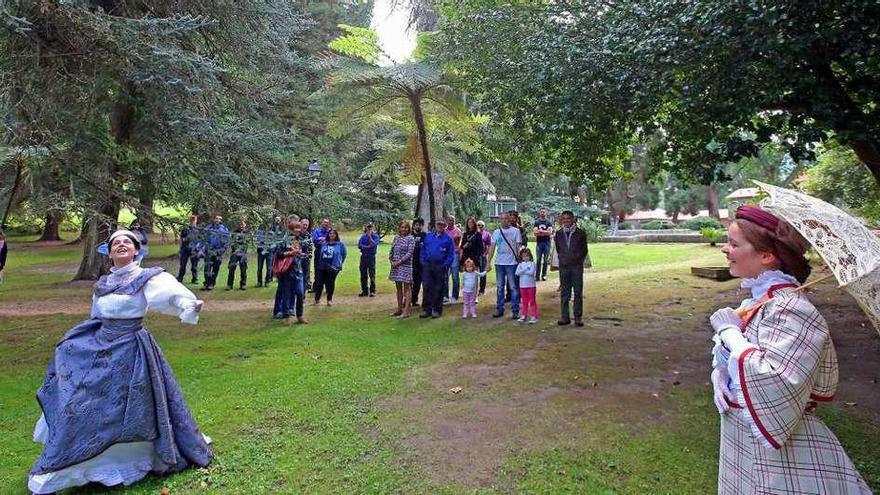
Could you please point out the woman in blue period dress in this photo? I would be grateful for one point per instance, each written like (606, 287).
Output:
(112, 409)
(772, 368)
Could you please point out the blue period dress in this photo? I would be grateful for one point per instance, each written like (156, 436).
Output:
(112, 409)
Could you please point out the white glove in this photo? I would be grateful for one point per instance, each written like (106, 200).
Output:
(720, 391)
(734, 340)
(725, 318)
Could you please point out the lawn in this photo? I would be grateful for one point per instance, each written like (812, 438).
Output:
(357, 402)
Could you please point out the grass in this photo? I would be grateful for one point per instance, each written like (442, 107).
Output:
(333, 407)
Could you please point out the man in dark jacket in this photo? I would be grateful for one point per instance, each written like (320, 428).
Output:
(417, 232)
(571, 248)
(189, 249)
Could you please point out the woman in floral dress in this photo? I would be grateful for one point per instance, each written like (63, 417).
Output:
(401, 257)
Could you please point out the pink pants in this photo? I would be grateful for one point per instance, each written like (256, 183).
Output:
(529, 302)
(469, 308)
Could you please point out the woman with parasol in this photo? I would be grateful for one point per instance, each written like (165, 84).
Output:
(770, 369)
(112, 409)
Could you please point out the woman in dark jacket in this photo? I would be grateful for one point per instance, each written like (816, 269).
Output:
(471, 243)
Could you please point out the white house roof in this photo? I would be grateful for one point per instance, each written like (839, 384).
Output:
(492, 197)
(410, 190)
(743, 193)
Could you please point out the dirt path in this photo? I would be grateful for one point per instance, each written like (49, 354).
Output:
(536, 391)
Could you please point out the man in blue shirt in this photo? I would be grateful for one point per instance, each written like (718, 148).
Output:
(216, 241)
(437, 254)
(368, 244)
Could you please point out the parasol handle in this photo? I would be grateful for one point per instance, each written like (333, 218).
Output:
(744, 311)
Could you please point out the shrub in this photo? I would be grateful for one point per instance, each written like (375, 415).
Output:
(658, 225)
(594, 230)
(714, 236)
(700, 223)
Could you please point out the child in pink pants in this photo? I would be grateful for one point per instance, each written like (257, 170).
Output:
(526, 271)
(470, 281)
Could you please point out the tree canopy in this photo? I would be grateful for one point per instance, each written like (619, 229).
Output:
(578, 80)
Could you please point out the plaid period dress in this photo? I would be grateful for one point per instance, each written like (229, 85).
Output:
(771, 442)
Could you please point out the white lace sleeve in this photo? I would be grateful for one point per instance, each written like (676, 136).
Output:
(168, 296)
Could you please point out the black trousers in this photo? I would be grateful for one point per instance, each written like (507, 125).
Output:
(307, 273)
(239, 260)
(212, 268)
(264, 257)
(433, 275)
(417, 281)
(325, 277)
(368, 271)
(187, 256)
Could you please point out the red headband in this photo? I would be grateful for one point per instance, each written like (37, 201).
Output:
(758, 216)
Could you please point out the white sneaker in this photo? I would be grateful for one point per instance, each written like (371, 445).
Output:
(454, 300)
(473, 316)
(445, 300)
(522, 319)
(533, 319)
(463, 317)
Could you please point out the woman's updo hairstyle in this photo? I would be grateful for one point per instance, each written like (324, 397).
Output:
(768, 233)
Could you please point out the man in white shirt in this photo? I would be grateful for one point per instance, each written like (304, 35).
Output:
(506, 242)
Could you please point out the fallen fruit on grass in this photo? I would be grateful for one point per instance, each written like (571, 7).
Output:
(455, 390)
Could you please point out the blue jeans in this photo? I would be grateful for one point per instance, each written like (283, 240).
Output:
(456, 279)
(282, 296)
(542, 259)
(296, 292)
(506, 275)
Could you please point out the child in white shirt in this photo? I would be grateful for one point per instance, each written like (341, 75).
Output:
(526, 271)
(469, 284)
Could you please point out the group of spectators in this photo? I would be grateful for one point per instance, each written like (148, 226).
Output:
(447, 253)
(444, 265)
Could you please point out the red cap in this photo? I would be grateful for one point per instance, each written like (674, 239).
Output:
(758, 216)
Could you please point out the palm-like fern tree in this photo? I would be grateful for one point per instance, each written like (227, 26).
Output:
(370, 88)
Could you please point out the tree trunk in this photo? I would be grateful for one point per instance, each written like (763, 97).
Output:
(869, 154)
(19, 168)
(52, 227)
(416, 103)
(712, 201)
(145, 214)
(421, 191)
(100, 226)
(104, 222)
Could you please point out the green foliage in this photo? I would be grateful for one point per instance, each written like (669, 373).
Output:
(713, 235)
(700, 223)
(594, 229)
(658, 225)
(362, 43)
(839, 178)
(710, 80)
(557, 204)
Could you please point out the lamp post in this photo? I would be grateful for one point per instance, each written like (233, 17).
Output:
(314, 173)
